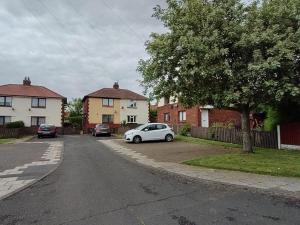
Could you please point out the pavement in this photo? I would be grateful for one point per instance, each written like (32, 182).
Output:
(166, 157)
(24, 163)
(95, 186)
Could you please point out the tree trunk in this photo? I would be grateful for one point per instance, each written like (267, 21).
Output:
(247, 142)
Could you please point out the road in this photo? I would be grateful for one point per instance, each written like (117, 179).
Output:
(95, 186)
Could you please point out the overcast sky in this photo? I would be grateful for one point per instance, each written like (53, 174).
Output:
(75, 47)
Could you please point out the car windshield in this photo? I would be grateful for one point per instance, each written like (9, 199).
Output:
(140, 127)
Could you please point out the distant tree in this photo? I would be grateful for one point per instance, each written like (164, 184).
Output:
(75, 108)
(225, 53)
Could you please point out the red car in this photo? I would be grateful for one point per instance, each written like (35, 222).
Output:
(47, 130)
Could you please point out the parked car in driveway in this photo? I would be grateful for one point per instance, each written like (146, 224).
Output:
(101, 129)
(150, 132)
(47, 130)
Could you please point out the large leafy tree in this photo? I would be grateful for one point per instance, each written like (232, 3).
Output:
(225, 53)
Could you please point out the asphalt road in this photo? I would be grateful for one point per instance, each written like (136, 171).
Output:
(95, 186)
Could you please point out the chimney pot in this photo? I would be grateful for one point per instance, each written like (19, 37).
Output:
(26, 81)
(116, 85)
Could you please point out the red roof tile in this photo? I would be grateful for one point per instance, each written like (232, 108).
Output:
(25, 90)
(116, 93)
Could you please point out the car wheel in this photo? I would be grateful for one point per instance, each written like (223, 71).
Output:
(169, 138)
(137, 139)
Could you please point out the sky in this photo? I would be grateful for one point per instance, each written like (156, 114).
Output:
(75, 47)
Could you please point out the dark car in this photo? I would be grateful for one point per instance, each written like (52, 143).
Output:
(101, 129)
(47, 130)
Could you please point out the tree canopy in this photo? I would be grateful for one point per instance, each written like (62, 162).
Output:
(225, 53)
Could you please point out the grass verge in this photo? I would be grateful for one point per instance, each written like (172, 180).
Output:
(7, 140)
(264, 161)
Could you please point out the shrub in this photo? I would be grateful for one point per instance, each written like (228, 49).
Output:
(76, 121)
(185, 130)
(16, 124)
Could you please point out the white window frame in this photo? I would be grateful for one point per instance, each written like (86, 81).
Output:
(132, 104)
(38, 120)
(39, 103)
(131, 119)
(6, 102)
(5, 119)
(182, 116)
(110, 102)
(167, 117)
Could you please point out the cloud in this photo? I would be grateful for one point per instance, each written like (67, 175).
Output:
(75, 46)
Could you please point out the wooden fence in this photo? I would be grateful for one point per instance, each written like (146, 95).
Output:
(260, 138)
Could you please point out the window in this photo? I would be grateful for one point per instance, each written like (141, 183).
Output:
(166, 100)
(4, 120)
(131, 119)
(182, 116)
(132, 104)
(108, 102)
(167, 117)
(37, 120)
(5, 101)
(107, 118)
(150, 127)
(38, 103)
(160, 126)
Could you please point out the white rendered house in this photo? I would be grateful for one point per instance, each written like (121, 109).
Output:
(34, 105)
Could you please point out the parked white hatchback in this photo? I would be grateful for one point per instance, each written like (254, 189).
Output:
(150, 132)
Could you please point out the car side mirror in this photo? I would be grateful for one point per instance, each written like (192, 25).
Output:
(146, 129)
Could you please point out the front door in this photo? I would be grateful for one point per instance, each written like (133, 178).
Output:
(204, 118)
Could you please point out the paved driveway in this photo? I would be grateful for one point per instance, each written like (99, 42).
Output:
(176, 151)
(12, 155)
(94, 186)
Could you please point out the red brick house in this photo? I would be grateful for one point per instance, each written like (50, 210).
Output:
(206, 116)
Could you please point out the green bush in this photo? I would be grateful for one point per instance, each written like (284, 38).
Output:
(76, 121)
(185, 130)
(273, 118)
(16, 124)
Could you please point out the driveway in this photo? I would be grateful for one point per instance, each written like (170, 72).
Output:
(93, 185)
(176, 151)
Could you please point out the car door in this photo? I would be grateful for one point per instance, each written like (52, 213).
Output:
(161, 131)
(148, 133)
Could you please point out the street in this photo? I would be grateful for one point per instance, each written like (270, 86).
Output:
(93, 185)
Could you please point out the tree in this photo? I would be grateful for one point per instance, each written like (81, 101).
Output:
(225, 53)
(75, 107)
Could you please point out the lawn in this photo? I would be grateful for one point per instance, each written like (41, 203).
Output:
(6, 141)
(264, 161)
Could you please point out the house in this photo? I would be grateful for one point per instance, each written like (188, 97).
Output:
(114, 106)
(34, 105)
(170, 111)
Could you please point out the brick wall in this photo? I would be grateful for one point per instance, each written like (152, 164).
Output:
(224, 116)
(192, 114)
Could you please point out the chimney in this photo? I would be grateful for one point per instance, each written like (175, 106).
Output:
(116, 85)
(26, 81)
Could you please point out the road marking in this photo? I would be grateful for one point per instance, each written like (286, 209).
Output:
(15, 178)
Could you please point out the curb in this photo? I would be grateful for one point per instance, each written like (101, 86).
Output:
(38, 179)
(147, 162)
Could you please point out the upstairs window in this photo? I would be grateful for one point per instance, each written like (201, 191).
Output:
(167, 117)
(5, 101)
(132, 104)
(4, 120)
(38, 103)
(131, 119)
(107, 118)
(182, 116)
(109, 102)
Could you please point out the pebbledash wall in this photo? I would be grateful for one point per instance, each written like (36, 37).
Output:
(21, 110)
(141, 111)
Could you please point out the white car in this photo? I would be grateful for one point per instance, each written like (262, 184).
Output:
(150, 132)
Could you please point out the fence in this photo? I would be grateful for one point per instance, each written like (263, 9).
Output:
(20, 132)
(260, 138)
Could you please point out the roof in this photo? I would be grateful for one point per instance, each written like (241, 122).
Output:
(116, 93)
(28, 91)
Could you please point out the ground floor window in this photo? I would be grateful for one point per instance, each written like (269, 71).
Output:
(167, 117)
(38, 120)
(182, 116)
(4, 120)
(131, 119)
(107, 118)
